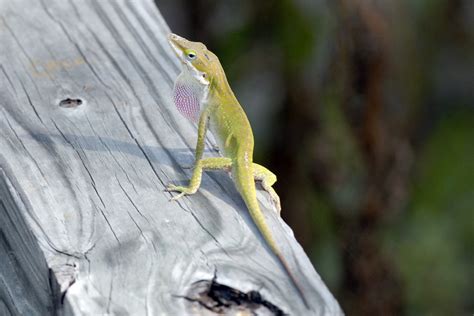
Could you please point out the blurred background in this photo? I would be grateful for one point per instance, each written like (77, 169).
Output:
(365, 111)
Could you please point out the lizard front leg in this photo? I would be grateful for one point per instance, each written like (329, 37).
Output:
(268, 178)
(202, 129)
(214, 163)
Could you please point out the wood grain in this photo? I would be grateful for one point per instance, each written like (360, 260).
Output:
(88, 140)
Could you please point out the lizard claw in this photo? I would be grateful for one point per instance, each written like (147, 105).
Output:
(177, 197)
(173, 188)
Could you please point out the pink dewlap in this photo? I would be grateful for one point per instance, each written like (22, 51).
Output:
(186, 101)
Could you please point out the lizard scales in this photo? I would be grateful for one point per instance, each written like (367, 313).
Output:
(202, 94)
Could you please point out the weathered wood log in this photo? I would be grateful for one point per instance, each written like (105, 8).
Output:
(88, 140)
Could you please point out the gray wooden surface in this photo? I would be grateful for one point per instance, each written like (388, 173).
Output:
(88, 140)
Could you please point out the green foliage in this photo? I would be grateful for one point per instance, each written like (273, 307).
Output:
(233, 45)
(342, 152)
(446, 176)
(434, 243)
(294, 33)
(326, 254)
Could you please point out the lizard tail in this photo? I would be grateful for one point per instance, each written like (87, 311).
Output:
(243, 176)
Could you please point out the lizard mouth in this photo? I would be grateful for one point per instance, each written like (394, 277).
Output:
(174, 40)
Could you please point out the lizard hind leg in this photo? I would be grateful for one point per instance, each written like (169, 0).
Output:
(267, 178)
(214, 163)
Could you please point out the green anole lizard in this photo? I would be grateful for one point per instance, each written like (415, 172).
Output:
(202, 94)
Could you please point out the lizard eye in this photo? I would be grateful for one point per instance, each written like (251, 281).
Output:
(190, 54)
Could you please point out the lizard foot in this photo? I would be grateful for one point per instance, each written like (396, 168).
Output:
(182, 191)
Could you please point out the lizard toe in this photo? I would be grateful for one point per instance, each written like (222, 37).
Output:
(177, 196)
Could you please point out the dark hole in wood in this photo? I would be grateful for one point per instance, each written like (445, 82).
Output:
(220, 298)
(70, 103)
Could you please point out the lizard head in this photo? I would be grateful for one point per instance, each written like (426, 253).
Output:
(195, 57)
